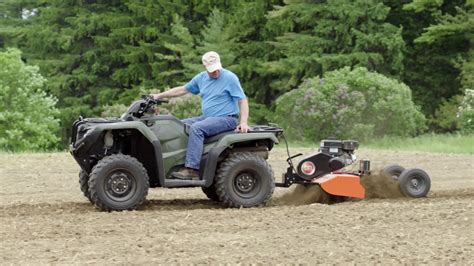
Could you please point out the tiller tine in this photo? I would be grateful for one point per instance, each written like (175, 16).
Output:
(347, 185)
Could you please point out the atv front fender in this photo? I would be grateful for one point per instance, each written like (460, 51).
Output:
(81, 147)
(138, 125)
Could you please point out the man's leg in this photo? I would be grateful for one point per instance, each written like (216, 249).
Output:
(199, 131)
(192, 120)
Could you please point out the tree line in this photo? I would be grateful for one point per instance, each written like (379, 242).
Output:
(96, 54)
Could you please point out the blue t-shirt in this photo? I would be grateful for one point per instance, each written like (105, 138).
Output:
(220, 96)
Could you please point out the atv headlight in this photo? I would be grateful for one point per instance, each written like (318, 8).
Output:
(109, 139)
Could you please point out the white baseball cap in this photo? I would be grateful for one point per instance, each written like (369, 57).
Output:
(211, 61)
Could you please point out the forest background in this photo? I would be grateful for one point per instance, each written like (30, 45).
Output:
(359, 69)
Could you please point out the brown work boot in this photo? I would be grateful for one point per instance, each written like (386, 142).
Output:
(186, 174)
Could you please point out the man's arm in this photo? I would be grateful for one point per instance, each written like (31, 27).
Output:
(174, 92)
(243, 126)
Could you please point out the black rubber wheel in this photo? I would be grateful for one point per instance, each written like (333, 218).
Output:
(393, 170)
(84, 184)
(211, 193)
(415, 183)
(244, 179)
(118, 182)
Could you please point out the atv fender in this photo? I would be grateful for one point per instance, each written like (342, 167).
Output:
(229, 140)
(138, 125)
(209, 164)
(96, 131)
(211, 159)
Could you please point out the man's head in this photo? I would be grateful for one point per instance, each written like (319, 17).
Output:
(212, 63)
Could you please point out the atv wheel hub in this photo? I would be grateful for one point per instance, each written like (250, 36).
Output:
(119, 184)
(245, 182)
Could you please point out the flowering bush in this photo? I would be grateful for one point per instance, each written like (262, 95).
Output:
(355, 104)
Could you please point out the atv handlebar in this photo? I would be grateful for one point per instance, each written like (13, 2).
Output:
(152, 101)
(145, 105)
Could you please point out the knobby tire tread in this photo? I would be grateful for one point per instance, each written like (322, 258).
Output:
(84, 184)
(95, 175)
(225, 168)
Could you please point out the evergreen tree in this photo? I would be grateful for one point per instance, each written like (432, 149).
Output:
(248, 37)
(216, 38)
(318, 36)
(182, 44)
(456, 32)
(432, 57)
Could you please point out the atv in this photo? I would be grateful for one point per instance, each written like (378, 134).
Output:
(121, 158)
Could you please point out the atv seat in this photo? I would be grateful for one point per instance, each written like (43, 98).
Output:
(211, 138)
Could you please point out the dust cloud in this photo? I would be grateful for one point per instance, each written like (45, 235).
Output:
(380, 186)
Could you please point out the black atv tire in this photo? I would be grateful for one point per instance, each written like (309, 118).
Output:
(118, 182)
(244, 179)
(84, 184)
(394, 171)
(211, 193)
(415, 183)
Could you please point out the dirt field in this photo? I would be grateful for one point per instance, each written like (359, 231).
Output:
(45, 219)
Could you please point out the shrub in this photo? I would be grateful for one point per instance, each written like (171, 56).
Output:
(446, 117)
(182, 107)
(258, 113)
(466, 113)
(115, 110)
(346, 103)
(27, 115)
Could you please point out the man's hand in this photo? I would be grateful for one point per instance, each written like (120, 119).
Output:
(155, 96)
(242, 128)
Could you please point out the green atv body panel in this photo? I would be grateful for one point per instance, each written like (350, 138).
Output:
(174, 141)
(161, 146)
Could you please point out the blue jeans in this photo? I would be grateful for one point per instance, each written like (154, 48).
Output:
(201, 128)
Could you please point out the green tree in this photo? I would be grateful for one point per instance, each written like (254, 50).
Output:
(248, 35)
(438, 38)
(216, 38)
(27, 114)
(455, 29)
(319, 36)
(98, 53)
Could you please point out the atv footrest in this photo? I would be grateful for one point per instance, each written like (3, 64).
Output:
(184, 183)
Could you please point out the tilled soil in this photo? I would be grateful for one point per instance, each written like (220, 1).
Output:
(45, 219)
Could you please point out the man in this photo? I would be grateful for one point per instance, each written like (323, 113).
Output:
(223, 103)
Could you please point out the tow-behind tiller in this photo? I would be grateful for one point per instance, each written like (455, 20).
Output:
(323, 168)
